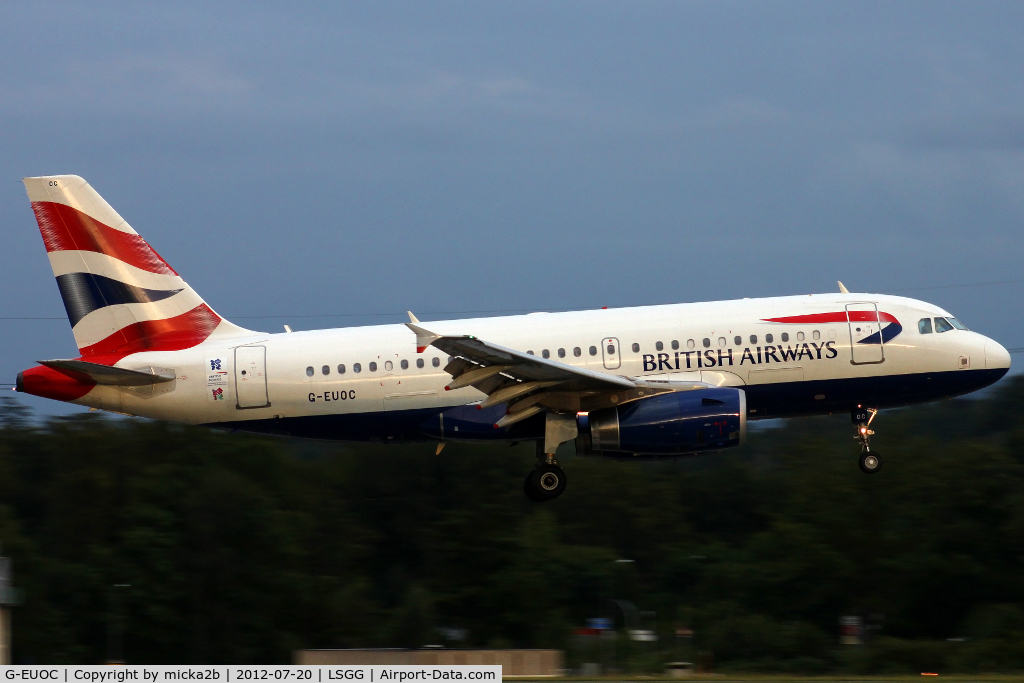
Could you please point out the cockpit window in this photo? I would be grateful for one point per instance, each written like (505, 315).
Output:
(956, 323)
(942, 325)
(924, 325)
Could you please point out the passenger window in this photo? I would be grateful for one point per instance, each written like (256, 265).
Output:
(356, 367)
(593, 350)
(577, 352)
(373, 367)
(721, 341)
(326, 369)
(546, 353)
(942, 325)
(659, 346)
(753, 339)
(816, 335)
(419, 362)
(737, 340)
(675, 344)
(404, 364)
(636, 348)
(436, 362)
(690, 344)
(768, 339)
(799, 336)
(530, 353)
(388, 365)
(785, 336)
(561, 353)
(341, 369)
(707, 343)
(309, 371)
(924, 325)
(611, 349)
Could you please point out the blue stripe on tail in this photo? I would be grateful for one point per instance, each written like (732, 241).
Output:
(84, 293)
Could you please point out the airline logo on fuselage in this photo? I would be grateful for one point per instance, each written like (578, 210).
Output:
(710, 358)
(887, 322)
(878, 329)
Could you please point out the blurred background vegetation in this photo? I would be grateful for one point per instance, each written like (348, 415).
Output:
(242, 549)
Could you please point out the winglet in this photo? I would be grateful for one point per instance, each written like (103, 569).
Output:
(424, 338)
(842, 288)
(412, 318)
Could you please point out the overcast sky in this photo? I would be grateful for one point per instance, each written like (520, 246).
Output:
(359, 160)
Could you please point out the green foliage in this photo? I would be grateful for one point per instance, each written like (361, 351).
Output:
(243, 549)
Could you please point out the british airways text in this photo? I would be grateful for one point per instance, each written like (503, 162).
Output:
(710, 358)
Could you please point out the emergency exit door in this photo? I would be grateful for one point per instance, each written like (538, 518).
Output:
(865, 333)
(251, 376)
(610, 353)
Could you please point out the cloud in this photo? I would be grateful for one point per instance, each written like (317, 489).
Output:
(983, 131)
(128, 83)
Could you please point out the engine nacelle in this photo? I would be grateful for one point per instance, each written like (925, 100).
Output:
(667, 425)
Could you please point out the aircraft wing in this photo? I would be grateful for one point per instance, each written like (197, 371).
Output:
(530, 384)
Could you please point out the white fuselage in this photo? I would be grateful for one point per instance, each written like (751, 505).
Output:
(367, 370)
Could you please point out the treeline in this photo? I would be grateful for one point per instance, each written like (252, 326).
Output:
(243, 549)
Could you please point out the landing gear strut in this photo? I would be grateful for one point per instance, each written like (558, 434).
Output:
(870, 462)
(547, 480)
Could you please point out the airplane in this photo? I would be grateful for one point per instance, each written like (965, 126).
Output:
(641, 383)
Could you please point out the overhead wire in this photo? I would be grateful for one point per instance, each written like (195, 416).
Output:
(509, 310)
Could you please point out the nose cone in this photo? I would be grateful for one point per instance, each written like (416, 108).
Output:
(996, 357)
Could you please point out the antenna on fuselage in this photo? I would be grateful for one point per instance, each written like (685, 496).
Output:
(842, 288)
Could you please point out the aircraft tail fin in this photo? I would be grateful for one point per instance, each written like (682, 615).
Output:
(121, 297)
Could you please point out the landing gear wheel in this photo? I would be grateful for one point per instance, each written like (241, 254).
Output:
(870, 462)
(545, 483)
(531, 487)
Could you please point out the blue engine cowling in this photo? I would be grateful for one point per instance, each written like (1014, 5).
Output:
(667, 425)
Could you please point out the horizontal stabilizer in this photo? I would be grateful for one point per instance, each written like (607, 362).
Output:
(108, 375)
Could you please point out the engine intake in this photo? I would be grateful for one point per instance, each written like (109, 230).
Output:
(667, 425)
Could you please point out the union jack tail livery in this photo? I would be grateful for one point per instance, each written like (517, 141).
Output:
(121, 297)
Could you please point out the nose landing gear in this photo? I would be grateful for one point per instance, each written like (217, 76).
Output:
(869, 462)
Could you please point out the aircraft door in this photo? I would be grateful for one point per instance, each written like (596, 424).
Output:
(865, 333)
(392, 379)
(251, 376)
(610, 352)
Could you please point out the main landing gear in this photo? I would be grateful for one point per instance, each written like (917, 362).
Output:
(547, 480)
(869, 462)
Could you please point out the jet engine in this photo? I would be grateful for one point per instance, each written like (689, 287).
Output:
(666, 425)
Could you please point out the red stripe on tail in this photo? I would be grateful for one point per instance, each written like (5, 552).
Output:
(171, 334)
(67, 229)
